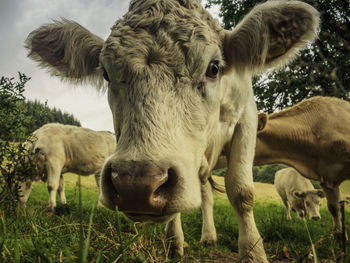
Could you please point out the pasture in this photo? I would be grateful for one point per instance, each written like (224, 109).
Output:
(82, 233)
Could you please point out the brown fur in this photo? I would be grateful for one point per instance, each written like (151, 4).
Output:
(312, 137)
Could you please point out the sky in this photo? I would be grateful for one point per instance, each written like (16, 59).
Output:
(19, 17)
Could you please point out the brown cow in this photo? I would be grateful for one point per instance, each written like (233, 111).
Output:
(58, 149)
(312, 137)
(179, 87)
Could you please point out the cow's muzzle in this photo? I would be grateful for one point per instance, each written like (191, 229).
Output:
(141, 189)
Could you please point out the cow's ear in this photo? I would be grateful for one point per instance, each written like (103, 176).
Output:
(68, 50)
(299, 194)
(262, 120)
(320, 193)
(270, 35)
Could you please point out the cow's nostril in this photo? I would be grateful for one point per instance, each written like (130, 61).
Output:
(166, 190)
(112, 181)
(316, 218)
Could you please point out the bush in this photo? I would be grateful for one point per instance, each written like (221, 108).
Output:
(15, 160)
(16, 164)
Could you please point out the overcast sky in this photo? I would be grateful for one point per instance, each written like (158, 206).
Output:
(19, 17)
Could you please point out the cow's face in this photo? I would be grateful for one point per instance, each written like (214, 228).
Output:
(177, 86)
(311, 202)
(25, 187)
(164, 93)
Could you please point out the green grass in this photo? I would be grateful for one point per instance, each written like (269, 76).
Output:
(82, 233)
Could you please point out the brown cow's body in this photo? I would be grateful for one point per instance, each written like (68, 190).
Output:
(313, 137)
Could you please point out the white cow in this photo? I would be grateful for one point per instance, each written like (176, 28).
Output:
(61, 148)
(179, 88)
(298, 193)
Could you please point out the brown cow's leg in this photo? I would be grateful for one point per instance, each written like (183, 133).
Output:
(208, 227)
(240, 188)
(333, 198)
(61, 192)
(175, 233)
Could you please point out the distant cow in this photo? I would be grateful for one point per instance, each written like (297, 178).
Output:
(298, 193)
(61, 148)
(179, 88)
(313, 137)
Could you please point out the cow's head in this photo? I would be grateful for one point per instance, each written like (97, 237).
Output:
(311, 202)
(177, 85)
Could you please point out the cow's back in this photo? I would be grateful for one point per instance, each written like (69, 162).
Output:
(86, 150)
(75, 149)
(288, 180)
(328, 120)
(315, 136)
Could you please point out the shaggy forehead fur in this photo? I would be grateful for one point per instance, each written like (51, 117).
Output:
(160, 38)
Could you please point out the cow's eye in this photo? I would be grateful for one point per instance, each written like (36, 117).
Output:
(105, 75)
(213, 69)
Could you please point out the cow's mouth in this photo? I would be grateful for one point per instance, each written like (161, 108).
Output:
(156, 218)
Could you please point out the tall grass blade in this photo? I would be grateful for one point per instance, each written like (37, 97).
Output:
(99, 258)
(87, 240)
(16, 248)
(81, 228)
(120, 235)
(312, 245)
(2, 232)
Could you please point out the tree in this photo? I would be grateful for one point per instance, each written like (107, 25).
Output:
(323, 69)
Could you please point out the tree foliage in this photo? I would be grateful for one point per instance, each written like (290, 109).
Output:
(323, 69)
(266, 173)
(11, 110)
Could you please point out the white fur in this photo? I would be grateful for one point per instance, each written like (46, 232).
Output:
(289, 185)
(167, 109)
(58, 149)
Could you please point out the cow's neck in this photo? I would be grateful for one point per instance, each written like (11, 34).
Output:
(285, 141)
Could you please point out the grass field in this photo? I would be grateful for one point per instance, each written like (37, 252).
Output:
(80, 233)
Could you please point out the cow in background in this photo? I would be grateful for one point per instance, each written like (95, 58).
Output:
(298, 193)
(57, 149)
(313, 137)
(179, 88)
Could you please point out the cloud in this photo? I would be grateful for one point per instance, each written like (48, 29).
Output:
(19, 18)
